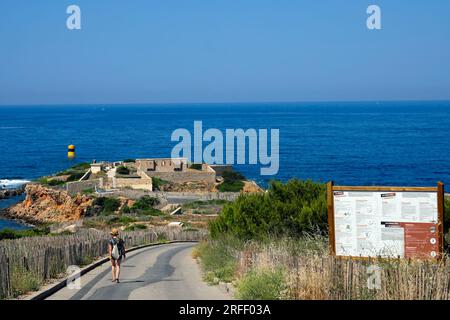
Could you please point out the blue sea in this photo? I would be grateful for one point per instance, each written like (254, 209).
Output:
(357, 143)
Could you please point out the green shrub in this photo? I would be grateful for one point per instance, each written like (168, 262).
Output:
(106, 205)
(231, 186)
(88, 191)
(136, 226)
(129, 160)
(55, 182)
(125, 209)
(75, 176)
(76, 169)
(232, 175)
(81, 166)
(123, 170)
(50, 182)
(262, 285)
(199, 204)
(290, 209)
(232, 182)
(158, 183)
(16, 234)
(145, 203)
(219, 259)
(150, 212)
(121, 220)
(23, 281)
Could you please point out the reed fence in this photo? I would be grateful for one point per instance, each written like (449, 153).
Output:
(331, 278)
(26, 263)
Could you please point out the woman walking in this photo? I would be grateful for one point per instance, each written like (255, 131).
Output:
(116, 250)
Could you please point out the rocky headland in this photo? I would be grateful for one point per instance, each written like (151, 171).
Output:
(47, 205)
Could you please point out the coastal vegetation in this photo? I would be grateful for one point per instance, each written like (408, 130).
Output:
(104, 206)
(275, 246)
(123, 170)
(46, 181)
(88, 191)
(219, 258)
(17, 234)
(210, 207)
(74, 173)
(158, 183)
(232, 182)
(301, 268)
(262, 284)
(145, 203)
(290, 209)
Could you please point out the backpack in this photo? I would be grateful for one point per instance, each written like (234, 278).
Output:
(115, 253)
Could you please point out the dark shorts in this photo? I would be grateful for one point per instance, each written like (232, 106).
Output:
(114, 260)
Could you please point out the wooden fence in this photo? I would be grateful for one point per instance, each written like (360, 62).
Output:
(28, 262)
(332, 278)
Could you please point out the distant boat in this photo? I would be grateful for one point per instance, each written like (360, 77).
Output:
(12, 184)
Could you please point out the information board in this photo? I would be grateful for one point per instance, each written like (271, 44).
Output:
(399, 222)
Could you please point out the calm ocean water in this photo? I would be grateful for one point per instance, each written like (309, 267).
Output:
(386, 143)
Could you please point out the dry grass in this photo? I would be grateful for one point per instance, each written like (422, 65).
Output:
(311, 273)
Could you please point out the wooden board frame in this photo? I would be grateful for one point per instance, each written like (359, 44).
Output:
(330, 204)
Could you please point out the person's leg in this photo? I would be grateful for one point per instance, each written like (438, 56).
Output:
(113, 269)
(117, 269)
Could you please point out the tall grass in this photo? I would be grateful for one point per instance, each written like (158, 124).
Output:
(262, 284)
(302, 269)
(310, 273)
(219, 259)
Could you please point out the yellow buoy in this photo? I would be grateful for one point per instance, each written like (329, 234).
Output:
(71, 152)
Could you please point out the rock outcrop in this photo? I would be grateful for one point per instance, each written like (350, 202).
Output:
(251, 187)
(8, 193)
(43, 204)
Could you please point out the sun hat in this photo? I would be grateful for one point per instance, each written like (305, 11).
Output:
(114, 232)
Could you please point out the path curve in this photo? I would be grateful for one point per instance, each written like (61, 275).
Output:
(162, 272)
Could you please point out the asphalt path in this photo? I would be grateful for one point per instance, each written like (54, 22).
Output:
(162, 272)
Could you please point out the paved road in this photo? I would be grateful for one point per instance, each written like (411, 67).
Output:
(165, 272)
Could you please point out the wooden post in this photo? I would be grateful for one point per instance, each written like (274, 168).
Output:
(330, 205)
(440, 206)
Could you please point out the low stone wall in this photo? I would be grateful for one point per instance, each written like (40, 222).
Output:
(79, 186)
(136, 194)
(229, 196)
(186, 176)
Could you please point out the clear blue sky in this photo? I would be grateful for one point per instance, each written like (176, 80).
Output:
(148, 51)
